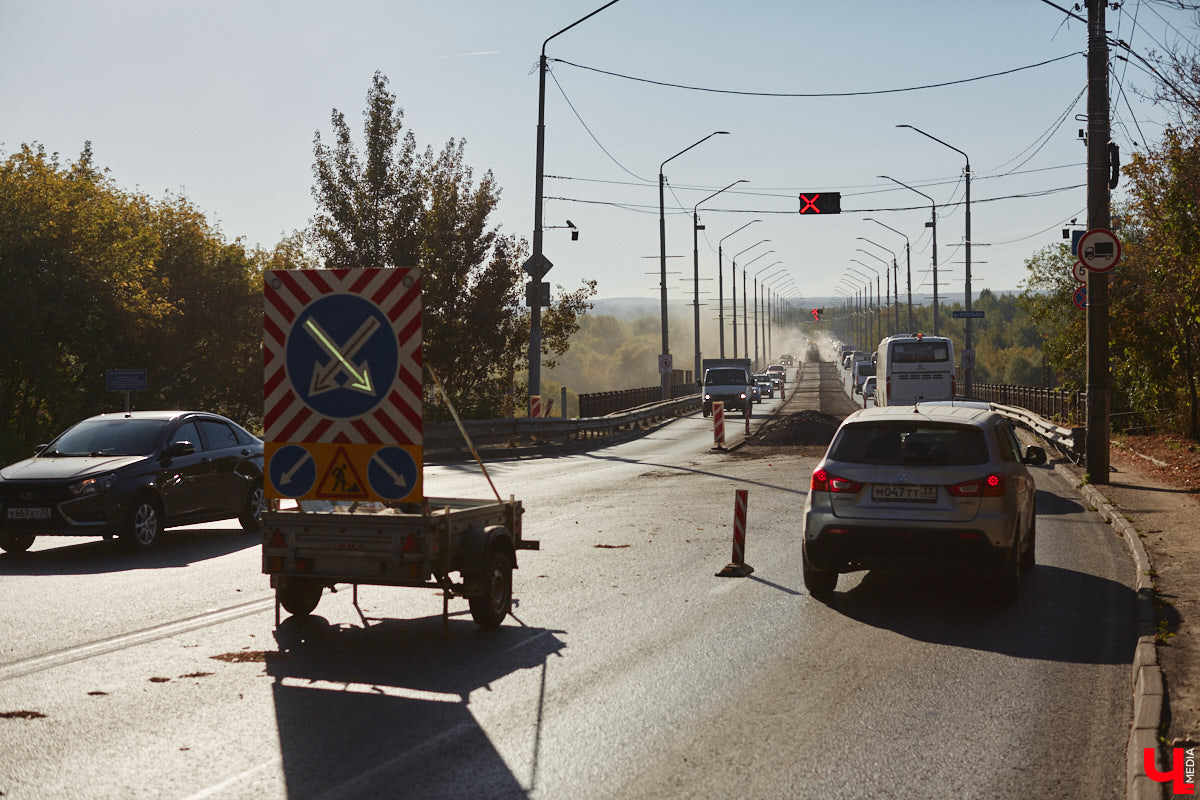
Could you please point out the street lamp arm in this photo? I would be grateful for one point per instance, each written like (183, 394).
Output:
(721, 241)
(756, 258)
(877, 244)
(751, 247)
(889, 227)
(573, 24)
(872, 255)
(911, 189)
(689, 147)
(696, 208)
(939, 141)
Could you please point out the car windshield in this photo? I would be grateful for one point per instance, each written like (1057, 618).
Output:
(910, 444)
(724, 377)
(109, 437)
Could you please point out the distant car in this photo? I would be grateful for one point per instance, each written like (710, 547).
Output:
(766, 385)
(755, 393)
(868, 388)
(928, 484)
(847, 359)
(132, 475)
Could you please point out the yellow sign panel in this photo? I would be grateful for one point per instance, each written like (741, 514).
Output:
(328, 471)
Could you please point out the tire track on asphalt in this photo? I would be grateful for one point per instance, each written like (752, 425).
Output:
(82, 652)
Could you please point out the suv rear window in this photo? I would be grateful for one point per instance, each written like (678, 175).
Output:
(910, 444)
(725, 377)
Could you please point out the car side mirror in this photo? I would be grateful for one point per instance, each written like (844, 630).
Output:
(37, 451)
(181, 448)
(1035, 455)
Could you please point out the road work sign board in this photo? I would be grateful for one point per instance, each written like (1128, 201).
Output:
(342, 384)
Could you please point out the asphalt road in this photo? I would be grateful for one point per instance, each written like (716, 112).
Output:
(628, 670)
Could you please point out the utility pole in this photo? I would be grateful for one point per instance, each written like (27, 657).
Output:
(1099, 387)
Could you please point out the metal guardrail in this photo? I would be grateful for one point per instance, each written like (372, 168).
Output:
(1071, 439)
(1057, 404)
(599, 404)
(444, 437)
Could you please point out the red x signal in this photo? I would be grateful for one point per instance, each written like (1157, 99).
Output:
(821, 203)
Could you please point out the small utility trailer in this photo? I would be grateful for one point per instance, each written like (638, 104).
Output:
(306, 550)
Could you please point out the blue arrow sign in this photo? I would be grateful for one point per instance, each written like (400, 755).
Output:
(342, 356)
(392, 473)
(293, 471)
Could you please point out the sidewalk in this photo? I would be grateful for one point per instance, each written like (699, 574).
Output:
(1163, 522)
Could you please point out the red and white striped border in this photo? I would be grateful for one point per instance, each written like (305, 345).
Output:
(286, 293)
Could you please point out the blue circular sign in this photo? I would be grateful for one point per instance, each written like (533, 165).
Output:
(1080, 298)
(342, 356)
(392, 473)
(293, 471)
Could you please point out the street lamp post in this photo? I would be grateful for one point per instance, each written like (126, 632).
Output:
(745, 311)
(696, 226)
(887, 289)
(908, 262)
(662, 257)
(895, 289)
(538, 265)
(733, 283)
(760, 272)
(968, 371)
(721, 285)
(878, 303)
(870, 313)
(932, 224)
(771, 295)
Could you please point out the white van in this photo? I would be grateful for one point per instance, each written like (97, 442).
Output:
(912, 368)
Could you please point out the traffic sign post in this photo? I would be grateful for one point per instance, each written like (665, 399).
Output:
(666, 363)
(125, 380)
(972, 314)
(1080, 298)
(343, 384)
(1079, 272)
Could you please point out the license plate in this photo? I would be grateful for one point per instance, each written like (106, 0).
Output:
(28, 513)
(903, 493)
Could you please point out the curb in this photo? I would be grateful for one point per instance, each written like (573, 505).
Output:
(1146, 676)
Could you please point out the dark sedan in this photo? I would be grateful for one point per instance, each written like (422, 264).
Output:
(132, 475)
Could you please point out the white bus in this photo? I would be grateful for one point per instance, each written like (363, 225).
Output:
(912, 368)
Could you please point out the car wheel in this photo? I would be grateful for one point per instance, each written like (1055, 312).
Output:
(299, 596)
(16, 543)
(490, 608)
(819, 582)
(1029, 557)
(144, 525)
(251, 516)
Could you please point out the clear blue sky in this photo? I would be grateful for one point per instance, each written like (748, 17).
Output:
(220, 101)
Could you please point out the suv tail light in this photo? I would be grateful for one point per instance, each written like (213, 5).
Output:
(823, 481)
(991, 486)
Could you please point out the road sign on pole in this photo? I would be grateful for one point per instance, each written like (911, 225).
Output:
(1080, 297)
(666, 363)
(1099, 250)
(972, 314)
(342, 386)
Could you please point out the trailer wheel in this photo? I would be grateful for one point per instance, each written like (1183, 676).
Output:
(490, 608)
(299, 596)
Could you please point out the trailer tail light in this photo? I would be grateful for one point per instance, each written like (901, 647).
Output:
(823, 481)
(887, 388)
(953, 386)
(304, 565)
(276, 539)
(274, 564)
(991, 486)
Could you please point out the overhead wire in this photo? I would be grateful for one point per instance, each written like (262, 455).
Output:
(746, 93)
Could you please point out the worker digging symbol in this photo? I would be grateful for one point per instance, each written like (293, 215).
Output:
(339, 482)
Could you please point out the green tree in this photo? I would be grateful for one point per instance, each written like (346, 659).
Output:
(392, 206)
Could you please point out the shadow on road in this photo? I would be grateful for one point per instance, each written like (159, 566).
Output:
(1061, 615)
(1050, 504)
(176, 548)
(384, 711)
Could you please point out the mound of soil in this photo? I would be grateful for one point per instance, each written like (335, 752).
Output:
(806, 427)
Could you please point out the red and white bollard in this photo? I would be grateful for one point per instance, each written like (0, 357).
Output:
(746, 411)
(718, 412)
(535, 406)
(738, 568)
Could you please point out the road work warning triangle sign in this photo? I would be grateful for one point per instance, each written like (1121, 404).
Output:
(341, 480)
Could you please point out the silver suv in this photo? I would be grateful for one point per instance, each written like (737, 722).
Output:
(925, 484)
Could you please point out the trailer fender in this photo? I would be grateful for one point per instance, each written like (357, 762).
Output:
(478, 546)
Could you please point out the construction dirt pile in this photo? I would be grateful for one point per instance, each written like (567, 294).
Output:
(804, 428)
